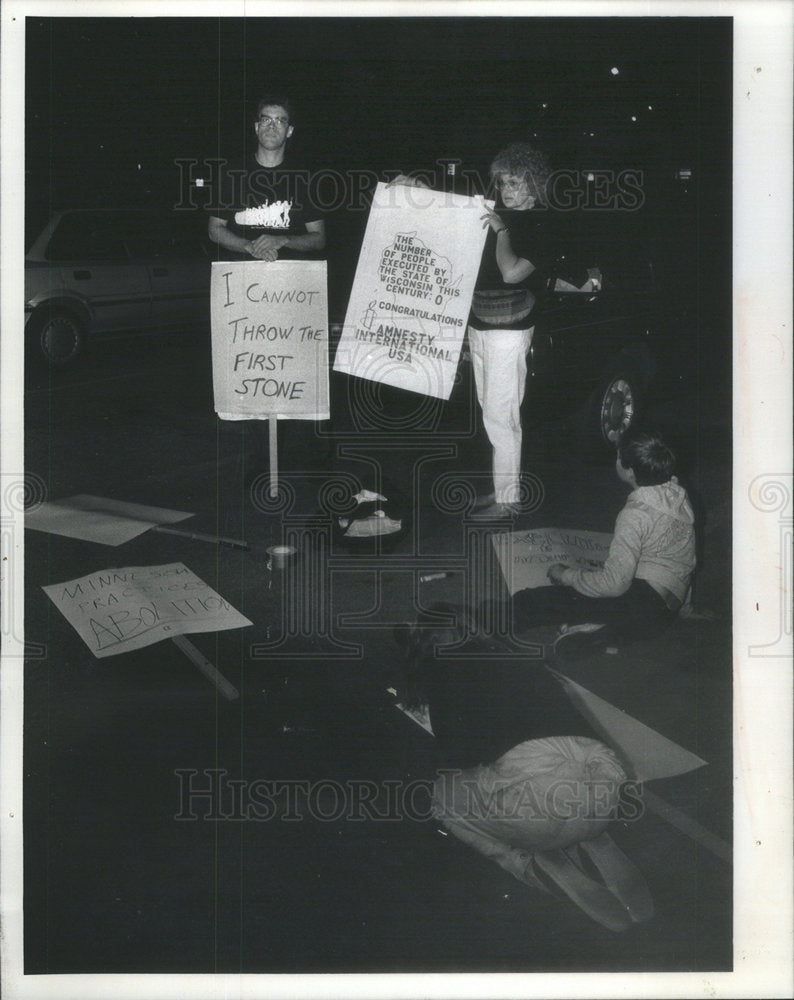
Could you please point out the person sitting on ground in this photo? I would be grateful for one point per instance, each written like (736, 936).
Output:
(522, 778)
(646, 576)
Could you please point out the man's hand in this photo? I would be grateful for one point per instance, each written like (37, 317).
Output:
(555, 573)
(266, 247)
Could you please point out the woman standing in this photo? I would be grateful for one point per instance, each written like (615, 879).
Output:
(514, 274)
(524, 243)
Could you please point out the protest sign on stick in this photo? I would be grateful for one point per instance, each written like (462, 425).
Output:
(270, 342)
(525, 556)
(413, 288)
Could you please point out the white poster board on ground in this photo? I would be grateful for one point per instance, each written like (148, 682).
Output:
(525, 556)
(99, 519)
(270, 339)
(116, 610)
(413, 287)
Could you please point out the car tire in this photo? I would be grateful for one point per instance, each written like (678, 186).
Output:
(614, 407)
(61, 335)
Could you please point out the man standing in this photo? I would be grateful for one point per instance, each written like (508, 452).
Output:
(262, 208)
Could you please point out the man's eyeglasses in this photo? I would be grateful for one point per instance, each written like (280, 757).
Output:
(267, 120)
(510, 183)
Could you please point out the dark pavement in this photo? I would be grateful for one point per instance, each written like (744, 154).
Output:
(118, 878)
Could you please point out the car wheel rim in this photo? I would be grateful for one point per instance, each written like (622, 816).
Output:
(617, 410)
(60, 339)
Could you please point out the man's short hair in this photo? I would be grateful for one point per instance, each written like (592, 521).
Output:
(646, 454)
(272, 98)
(522, 160)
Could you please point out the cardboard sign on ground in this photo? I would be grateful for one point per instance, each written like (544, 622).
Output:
(116, 610)
(270, 339)
(525, 556)
(99, 519)
(413, 287)
(646, 754)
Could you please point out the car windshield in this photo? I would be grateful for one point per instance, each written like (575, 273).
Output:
(88, 236)
(115, 236)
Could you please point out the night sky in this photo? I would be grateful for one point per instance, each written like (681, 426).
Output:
(107, 94)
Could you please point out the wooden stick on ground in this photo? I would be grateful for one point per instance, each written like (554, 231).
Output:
(228, 690)
(687, 825)
(199, 537)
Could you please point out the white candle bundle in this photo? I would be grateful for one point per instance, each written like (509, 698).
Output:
(275, 216)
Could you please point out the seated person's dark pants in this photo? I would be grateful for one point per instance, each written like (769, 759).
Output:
(639, 613)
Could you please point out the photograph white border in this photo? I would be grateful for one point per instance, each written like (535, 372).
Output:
(763, 31)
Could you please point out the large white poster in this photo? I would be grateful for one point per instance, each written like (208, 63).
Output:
(412, 291)
(270, 339)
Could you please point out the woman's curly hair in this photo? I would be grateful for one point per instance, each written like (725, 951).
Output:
(522, 160)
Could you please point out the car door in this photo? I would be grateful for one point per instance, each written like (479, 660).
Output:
(580, 336)
(179, 271)
(584, 332)
(96, 267)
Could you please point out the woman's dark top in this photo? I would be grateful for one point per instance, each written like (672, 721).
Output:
(540, 235)
(499, 304)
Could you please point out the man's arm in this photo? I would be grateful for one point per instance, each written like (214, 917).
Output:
(267, 246)
(219, 232)
(311, 241)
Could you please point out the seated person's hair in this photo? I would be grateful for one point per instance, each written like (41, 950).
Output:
(646, 454)
(522, 160)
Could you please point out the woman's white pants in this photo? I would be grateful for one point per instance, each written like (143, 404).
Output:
(499, 358)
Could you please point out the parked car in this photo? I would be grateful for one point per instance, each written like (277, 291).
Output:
(98, 272)
(600, 354)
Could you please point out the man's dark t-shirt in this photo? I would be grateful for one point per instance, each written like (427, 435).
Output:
(254, 200)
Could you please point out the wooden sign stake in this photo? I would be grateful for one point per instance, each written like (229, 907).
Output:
(228, 690)
(273, 435)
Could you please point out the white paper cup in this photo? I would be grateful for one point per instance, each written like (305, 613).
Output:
(279, 556)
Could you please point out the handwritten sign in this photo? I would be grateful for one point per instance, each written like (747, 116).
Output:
(413, 287)
(270, 339)
(117, 610)
(525, 556)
